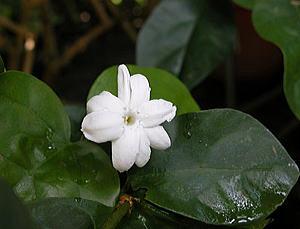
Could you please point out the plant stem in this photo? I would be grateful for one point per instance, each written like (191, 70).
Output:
(117, 215)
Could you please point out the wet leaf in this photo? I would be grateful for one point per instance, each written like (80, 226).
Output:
(223, 167)
(36, 155)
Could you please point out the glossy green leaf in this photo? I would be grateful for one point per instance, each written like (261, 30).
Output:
(76, 114)
(13, 214)
(36, 156)
(2, 67)
(188, 38)
(278, 21)
(163, 85)
(147, 216)
(69, 213)
(223, 167)
(56, 213)
(30, 106)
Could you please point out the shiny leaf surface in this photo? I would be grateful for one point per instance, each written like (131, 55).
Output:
(163, 85)
(37, 158)
(188, 38)
(147, 216)
(223, 167)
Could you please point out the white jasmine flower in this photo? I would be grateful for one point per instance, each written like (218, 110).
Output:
(131, 121)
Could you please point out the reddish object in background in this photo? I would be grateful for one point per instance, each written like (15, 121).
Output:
(255, 58)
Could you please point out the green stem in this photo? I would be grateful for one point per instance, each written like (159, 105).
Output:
(115, 218)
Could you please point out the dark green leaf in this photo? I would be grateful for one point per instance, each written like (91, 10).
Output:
(55, 213)
(79, 170)
(2, 67)
(13, 214)
(76, 114)
(147, 216)
(69, 213)
(278, 21)
(30, 106)
(36, 156)
(163, 85)
(188, 38)
(223, 167)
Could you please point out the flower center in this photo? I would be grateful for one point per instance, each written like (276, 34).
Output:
(129, 119)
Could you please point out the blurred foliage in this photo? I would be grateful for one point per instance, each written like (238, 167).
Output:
(188, 38)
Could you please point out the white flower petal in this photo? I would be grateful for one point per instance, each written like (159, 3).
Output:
(140, 90)
(102, 126)
(125, 149)
(105, 101)
(155, 112)
(144, 153)
(124, 92)
(159, 138)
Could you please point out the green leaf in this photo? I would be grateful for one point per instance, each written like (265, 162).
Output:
(30, 106)
(163, 86)
(76, 114)
(147, 216)
(69, 213)
(52, 213)
(188, 38)
(79, 170)
(13, 214)
(36, 155)
(223, 167)
(278, 21)
(248, 4)
(2, 68)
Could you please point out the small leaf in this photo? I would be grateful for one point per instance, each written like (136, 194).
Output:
(163, 86)
(36, 155)
(223, 167)
(13, 214)
(69, 213)
(188, 38)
